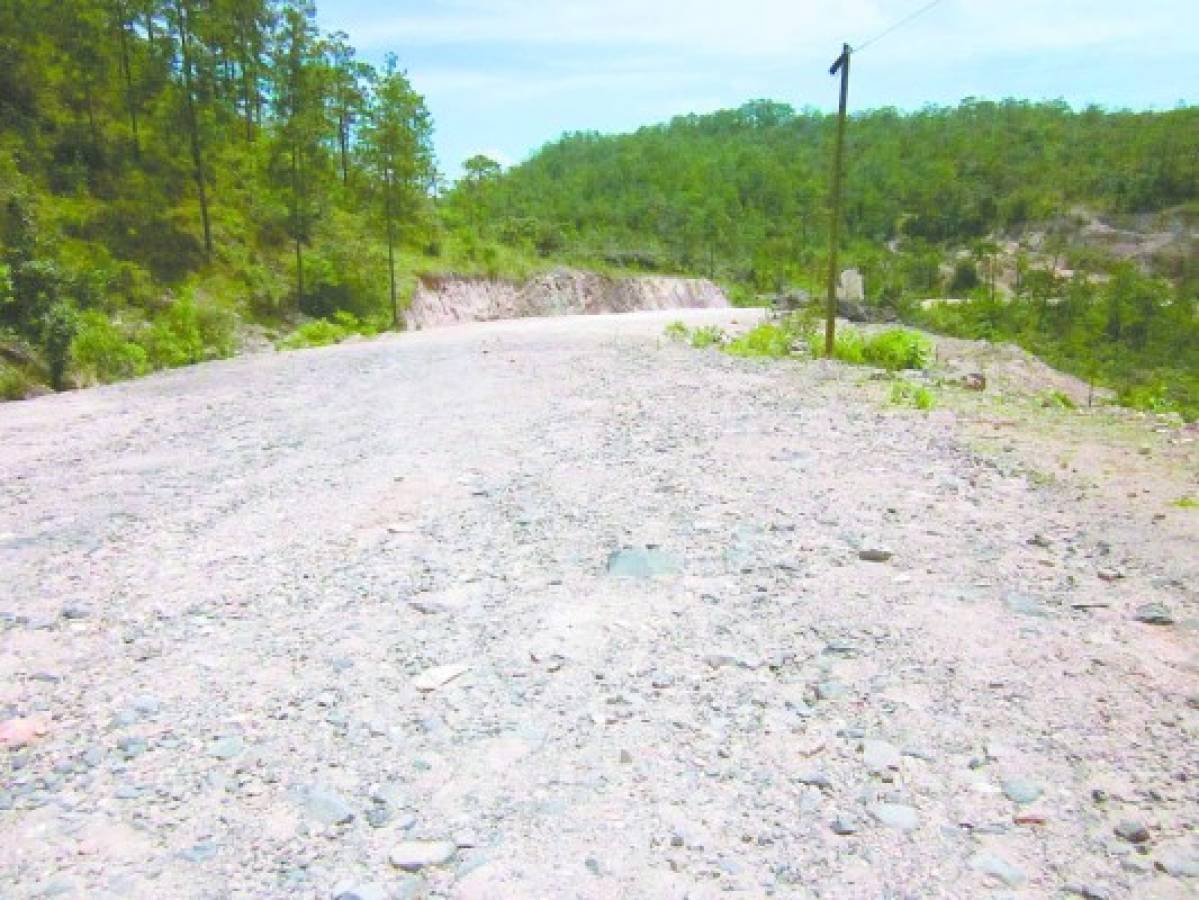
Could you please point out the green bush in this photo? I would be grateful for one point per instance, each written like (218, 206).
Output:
(677, 331)
(766, 340)
(848, 345)
(101, 352)
(189, 333)
(904, 393)
(14, 384)
(707, 336)
(323, 332)
(898, 349)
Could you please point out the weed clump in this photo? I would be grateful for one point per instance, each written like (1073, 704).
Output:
(904, 393)
(677, 332)
(323, 332)
(708, 336)
(766, 340)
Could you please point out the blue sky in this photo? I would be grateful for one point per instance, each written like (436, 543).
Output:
(503, 77)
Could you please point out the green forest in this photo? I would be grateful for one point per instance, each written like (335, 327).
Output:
(173, 172)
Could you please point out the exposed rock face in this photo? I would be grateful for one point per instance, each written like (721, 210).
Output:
(450, 300)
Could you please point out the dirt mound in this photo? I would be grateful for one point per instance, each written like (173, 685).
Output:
(1013, 370)
(453, 299)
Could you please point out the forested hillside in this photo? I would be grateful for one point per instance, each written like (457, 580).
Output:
(170, 167)
(172, 170)
(985, 200)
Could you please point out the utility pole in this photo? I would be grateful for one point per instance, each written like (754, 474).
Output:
(830, 328)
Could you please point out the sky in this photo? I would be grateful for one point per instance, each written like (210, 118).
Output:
(504, 77)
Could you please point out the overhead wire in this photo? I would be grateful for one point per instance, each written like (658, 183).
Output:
(898, 25)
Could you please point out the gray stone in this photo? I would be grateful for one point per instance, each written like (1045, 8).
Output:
(1024, 605)
(830, 690)
(412, 856)
(1021, 790)
(815, 779)
(1154, 614)
(897, 816)
(1132, 831)
(127, 792)
(1179, 865)
(75, 613)
(147, 705)
(227, 747)
(1087, 891)
(880, 756)
(997, 867)
(326, 806)
(360, 892)
(200, 853)
(379, 815)
(131, 747)
(851, 287)
(639, 563)
(876, 554)
(844, 826)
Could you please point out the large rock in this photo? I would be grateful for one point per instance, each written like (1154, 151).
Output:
(451, 300)
(851, 287)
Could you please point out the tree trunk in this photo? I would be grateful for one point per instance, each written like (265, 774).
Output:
(343, 138)
(127, 71)
(391, 261)
(297, 224)
(193, 125)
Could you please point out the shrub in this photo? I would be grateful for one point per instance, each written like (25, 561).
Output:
(189, 333)
(14, 384)
(323, 332)
(677, 331)
(765, 340)
(58, 331)
(965, 277)
(707, 336)
(904, 393)
(897, 349)
(848, 345)
(101, 351)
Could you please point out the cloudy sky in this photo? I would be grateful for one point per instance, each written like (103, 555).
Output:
(503, 77)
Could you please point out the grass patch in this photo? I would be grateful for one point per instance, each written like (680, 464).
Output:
(708, 336)
(1057, 400)
(1186, 503)
(768, 340)
(677, 332)
(904, 393)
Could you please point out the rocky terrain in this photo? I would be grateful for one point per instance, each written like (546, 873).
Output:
(451, 300)
(557, 608)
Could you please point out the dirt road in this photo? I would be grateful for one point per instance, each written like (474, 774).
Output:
(555, 608)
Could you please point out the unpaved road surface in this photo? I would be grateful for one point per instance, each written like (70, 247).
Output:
(342, 623)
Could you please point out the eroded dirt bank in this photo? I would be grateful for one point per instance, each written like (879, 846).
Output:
(345, 623)
(452, 300)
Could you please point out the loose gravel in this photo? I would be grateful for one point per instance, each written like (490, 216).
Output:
(556, 608)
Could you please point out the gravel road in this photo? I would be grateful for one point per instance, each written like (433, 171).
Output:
(554, 608)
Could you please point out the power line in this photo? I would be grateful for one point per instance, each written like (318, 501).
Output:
(898, 25)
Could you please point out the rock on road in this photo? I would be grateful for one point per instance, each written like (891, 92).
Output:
(554, 608)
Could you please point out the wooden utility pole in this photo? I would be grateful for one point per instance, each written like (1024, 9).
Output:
(830, 328)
